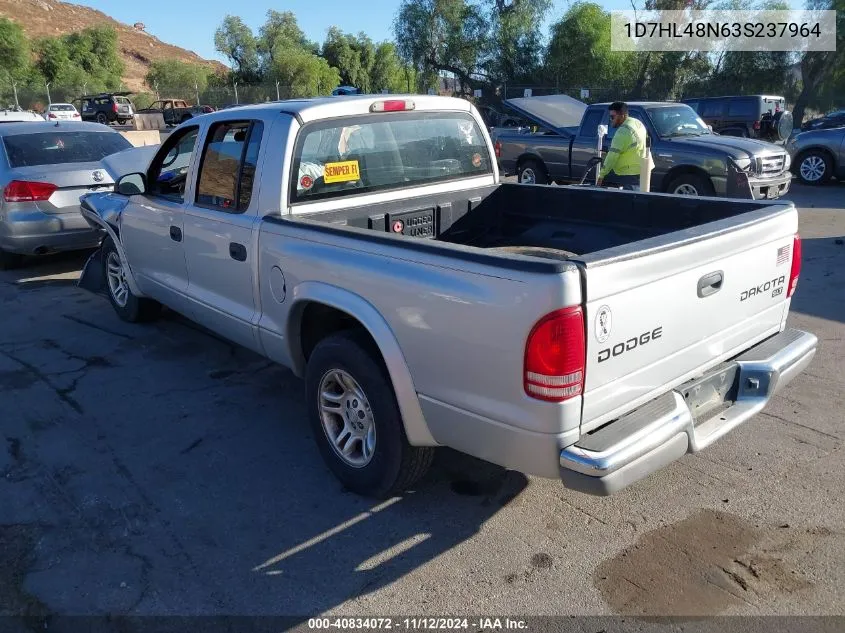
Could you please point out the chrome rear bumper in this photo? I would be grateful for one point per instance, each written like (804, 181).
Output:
(686, 419)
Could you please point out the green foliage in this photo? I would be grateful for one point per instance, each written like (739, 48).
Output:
(235, 40)
(14, 51)
(579, 49)
(170, 74)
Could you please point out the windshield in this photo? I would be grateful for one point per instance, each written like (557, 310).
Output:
(680, 120)
(52, 148)
(362, 154)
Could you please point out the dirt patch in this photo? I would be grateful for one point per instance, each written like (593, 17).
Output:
(17, 543)
(704, 565)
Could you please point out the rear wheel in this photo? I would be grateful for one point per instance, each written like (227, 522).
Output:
(102, 119)
(814, 167)
(532, 172)
(128, 306)
(356, 421)
(691, 185)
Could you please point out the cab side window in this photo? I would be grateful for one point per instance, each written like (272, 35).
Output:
(227, 168)
(168, 172)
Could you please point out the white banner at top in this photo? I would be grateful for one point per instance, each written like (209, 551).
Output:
(667, 31)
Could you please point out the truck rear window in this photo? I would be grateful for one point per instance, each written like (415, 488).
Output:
(375, 152)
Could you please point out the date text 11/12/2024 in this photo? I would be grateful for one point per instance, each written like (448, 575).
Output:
(414, 624)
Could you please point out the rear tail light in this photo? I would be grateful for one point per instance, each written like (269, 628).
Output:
(51, 116)
(756, 125)
(795, 272)
(114, 107)
(26, 191)
(555, 356)
(75, 115)
(394, 105)
(498, 148)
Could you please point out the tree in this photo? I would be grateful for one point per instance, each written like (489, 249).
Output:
(443, 35)
(304, 74)
(517, 53)
(817, 67)
(174, 75)
(235, 40)
(280, 33)
(14, 50)
(579, 52)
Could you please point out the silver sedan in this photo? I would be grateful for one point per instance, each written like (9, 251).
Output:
(818, 155)
(44, 169)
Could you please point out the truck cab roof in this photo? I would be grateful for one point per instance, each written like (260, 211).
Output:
(315, 108)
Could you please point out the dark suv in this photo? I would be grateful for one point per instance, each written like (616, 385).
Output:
(106, 107)
(762, 117)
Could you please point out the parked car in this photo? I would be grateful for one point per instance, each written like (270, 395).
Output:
(818, 155)
(346, 90)
(175, 111)
(829, 120)
(105, 108)
(762, 117)
(18, 115)
(44, 168)
(62, 112)
(689, 159)
(426, 303)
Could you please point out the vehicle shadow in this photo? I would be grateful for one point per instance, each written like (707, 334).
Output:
(256, 523)
(47, 270)
(367, 546)
(820, 286)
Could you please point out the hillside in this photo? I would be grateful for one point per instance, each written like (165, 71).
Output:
(40, 18)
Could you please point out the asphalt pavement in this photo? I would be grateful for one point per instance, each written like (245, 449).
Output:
(154, 469)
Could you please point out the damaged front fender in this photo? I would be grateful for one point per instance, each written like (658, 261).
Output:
(104, 211)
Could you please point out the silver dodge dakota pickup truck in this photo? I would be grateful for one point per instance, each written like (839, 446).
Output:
(367, 243)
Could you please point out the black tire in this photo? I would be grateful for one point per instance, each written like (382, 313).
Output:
(532, 172)
(10, 261)
(135, 309)
(102, 119)
(819, 159)
(701, 185)
(395, 464)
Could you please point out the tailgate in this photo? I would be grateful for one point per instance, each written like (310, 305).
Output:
(656, 320)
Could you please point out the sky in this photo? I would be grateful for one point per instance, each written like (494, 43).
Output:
(191, 24)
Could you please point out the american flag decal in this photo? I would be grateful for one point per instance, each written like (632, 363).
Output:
(783, 255)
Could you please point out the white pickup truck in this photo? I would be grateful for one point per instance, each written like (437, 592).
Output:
(367, 243)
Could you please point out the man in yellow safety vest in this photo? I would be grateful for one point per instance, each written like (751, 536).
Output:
(621, 166)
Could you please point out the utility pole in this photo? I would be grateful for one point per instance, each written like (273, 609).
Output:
(15, 88)
(197, 89)
(278, 97)
(49, 100)
(236, 91)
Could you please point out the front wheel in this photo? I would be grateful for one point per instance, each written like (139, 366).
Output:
(814, 167)
(128, 306)
(356, 421)
(691, 185)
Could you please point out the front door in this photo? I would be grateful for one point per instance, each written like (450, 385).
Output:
(219, 228)
(153, 223)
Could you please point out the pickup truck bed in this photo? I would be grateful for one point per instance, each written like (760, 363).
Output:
(690, 287)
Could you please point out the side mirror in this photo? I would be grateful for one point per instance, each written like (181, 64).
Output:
(131, 184)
